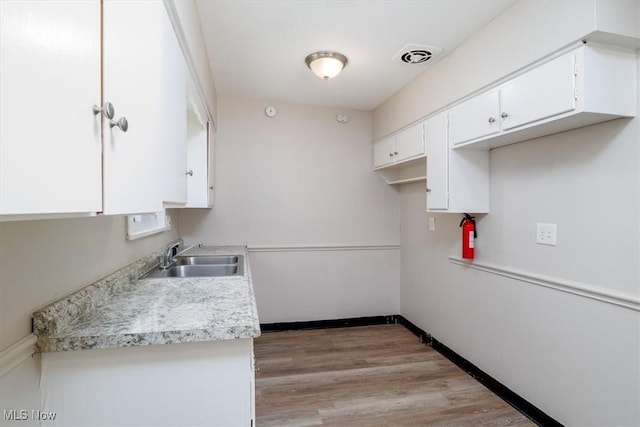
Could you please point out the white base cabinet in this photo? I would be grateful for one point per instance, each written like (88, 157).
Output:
(457, 180)
(189, 384)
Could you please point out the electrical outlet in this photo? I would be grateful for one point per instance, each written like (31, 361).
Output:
(546, 234)
(432, 224)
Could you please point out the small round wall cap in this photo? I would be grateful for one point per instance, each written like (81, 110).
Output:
(270, 111)
(342, 118)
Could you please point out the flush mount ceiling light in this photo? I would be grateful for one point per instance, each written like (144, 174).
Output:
(326, 65)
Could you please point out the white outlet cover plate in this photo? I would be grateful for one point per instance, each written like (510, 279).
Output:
(546, 234)
(432, 223)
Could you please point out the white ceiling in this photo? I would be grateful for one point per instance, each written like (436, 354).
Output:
(257, 48)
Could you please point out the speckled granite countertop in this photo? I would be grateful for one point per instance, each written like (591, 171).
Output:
(123, 311)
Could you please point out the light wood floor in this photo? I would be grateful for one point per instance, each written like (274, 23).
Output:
(367, 376)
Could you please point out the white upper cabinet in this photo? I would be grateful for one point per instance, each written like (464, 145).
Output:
(581, 87)
(437, 144)
(405, 145)
(174, 123)
(457, 180)
(543, 92)
(133, 61)
(476, 118)
(199, 153)
(400, 158)
(383, 152)
(50, 144)
(409, 143)
(62, 152)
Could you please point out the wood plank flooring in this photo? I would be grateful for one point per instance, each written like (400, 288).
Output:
(367, 376)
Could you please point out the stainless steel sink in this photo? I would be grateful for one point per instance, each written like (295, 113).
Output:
(202, 266)
(207, 260)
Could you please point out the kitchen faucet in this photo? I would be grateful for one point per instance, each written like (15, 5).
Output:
(169, 256)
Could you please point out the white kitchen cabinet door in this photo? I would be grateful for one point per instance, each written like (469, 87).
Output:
(133, 81)
(543, 92)
(197, 162)
(50, 148)
(174, 119)
(211, 181)
(409, 143)
(437, 145)
(199, 146)
(383, 152)
(475, 118)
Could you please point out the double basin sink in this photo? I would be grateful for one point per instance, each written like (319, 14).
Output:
(201, 266)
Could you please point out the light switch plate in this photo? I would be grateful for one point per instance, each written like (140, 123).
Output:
(432, 224)
(546, 234)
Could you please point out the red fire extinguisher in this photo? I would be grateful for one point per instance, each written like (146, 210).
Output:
(469, 235)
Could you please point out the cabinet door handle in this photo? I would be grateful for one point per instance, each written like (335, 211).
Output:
(504, 115)
(428, 190)
(211, 187)
(395, 153)
(390, 154)
(107, 110)
(122, 124)
(492, 120)
(189, 172)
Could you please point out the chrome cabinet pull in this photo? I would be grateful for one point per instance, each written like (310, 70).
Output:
(189, 172)
(504, 115)
(492, 120)
(390, 154)
(122, 124)
(107, 110)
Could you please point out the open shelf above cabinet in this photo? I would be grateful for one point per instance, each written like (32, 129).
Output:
(406, 172)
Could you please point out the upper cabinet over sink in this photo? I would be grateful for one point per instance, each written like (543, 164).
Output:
(50, 140)
(586, 85)
(93, 109)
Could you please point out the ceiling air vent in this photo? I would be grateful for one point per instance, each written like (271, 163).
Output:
(417, 54)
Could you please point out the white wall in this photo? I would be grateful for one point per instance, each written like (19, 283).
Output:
(41, 262)
(303, 179)
(576, 358)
